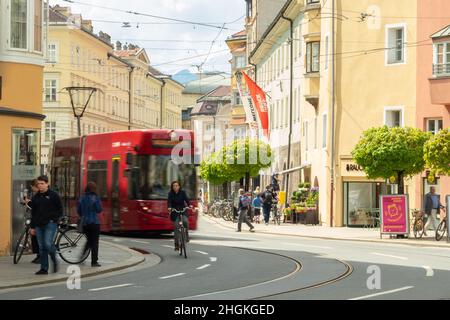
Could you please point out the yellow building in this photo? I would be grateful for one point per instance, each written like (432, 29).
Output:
(374, 85)
(76, 57)
(21, 53)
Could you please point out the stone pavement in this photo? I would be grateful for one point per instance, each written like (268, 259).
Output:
(112, 257)
(322, 232)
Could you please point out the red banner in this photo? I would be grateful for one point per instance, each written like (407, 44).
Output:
(260, 103)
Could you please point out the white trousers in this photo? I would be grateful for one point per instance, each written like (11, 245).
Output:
(432, 218)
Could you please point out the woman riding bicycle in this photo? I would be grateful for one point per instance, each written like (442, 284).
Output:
(178, 200)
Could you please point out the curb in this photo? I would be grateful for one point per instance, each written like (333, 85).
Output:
(135, 259)
(407, 242)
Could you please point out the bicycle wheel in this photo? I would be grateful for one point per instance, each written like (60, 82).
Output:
(72, 246)
(183, 243)
(418, 228)
(21, 245)
(440, 232)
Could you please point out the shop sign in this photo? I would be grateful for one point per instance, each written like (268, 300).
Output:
(394, 214)
(350, 169)
(354, 167)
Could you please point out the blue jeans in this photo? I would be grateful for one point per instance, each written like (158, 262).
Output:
(266, 213)
(45, 236)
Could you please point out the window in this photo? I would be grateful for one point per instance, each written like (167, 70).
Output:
(38, 25)
(326, 52)
(19, 26)
(286, 112)
(396, 44)
(50, 131)
(441, 59)
(50, 90)
(434, 125)
(305, 134)
(393, 117)
(52, 53)
(315, 133)
(324, 130)
(97, 172)
(312, 57)
(240, 62)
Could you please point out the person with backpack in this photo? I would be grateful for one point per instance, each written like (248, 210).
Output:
(244, 204)
(256, 204)
(267, 198)
(89, 206)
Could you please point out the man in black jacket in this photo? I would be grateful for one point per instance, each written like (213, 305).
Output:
(46, 210)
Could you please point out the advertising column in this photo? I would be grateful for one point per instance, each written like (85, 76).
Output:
(394, 215)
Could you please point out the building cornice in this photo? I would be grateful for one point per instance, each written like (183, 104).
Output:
(5, 111)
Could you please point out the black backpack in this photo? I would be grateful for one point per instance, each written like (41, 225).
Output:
(267, 198)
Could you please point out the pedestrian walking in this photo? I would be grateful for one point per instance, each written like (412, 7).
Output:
(46, 211)
(89, 206)
(29, 203)
(256, 204)
(432, 206)
(244, 204)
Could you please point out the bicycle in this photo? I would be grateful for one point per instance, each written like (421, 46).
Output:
(70, 245)
(276, 214)
(418, 223)
(441, 229)
(182, 232)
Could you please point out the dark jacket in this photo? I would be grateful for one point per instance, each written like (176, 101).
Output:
(177, 201)
(89, 206)
(45, 207)
(429, 203)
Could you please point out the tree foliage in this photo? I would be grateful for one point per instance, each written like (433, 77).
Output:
(385, 152)
(437, 153)
(234, 161)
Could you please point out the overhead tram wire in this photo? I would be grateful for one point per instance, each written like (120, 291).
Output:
(148, 15)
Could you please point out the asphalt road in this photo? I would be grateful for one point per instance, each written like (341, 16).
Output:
(223, 265)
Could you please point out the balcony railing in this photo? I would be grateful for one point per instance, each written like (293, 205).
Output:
(441, 69)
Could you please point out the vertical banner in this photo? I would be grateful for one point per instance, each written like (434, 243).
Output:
(394, 214)
(260, 103)
(250, 111)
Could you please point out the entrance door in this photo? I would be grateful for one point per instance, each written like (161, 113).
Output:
(115, 203)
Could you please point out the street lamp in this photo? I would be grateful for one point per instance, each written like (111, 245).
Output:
(91, 91)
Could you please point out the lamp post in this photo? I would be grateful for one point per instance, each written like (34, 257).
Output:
(91, 90)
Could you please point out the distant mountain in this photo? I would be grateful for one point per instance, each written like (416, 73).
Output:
(184, 76)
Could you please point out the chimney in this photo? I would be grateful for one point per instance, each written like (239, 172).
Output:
(118, 45)
(104, 36)
(66, 11)
(87, 24)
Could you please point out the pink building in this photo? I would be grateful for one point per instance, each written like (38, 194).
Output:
(433, 81)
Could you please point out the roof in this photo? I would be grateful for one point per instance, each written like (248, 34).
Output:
(126, 53)
(442, 33)
(242, 33)
(55, 16)
(207, 83)
(155, 72)
(221, 91)
(112, 55)
(206, 108)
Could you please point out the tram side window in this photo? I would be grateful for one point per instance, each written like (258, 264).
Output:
(97, 172)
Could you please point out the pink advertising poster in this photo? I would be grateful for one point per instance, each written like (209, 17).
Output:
(394, 214)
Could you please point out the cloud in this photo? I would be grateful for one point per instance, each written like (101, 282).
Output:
(197, 39)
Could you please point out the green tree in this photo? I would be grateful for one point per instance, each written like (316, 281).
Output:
(242, 158)
(437, 153)
(386, 152)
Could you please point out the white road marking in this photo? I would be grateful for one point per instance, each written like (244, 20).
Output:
(205, 253)
(305, 245)
(213, 259)
(430, 272)
(112, 287)
(43, 298)
(389, 256)
(138, 241)
(382, 293)
(173, 276)
(117, 240)
(203, 267)
(166, 246)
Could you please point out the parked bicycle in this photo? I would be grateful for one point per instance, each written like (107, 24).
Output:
(182, 238)
(442, 228)
(418, 223)
(70, 244)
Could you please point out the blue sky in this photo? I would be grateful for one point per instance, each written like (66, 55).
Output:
(144, 30)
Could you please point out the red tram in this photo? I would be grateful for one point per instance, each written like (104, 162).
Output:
(133, 171)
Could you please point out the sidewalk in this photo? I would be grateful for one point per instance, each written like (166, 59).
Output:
(112, 257)
(352, 234)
